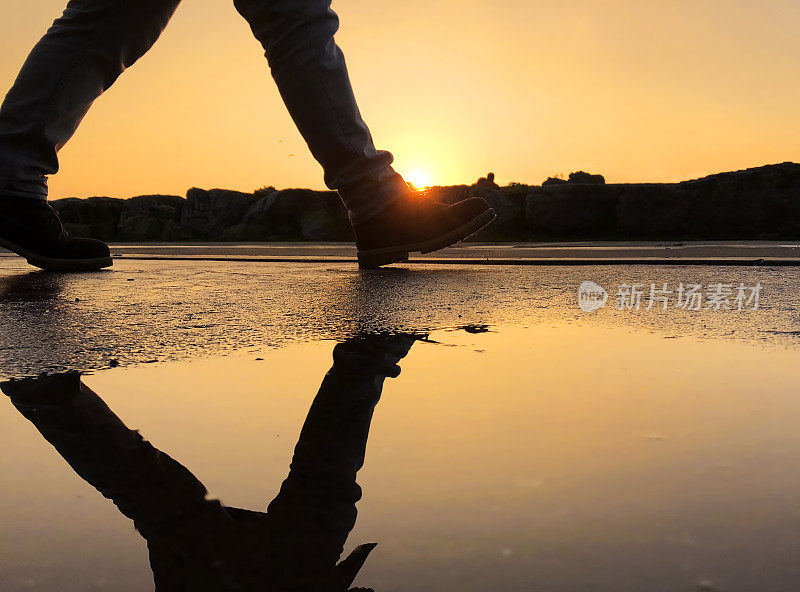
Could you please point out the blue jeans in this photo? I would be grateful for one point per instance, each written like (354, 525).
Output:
(86, 49)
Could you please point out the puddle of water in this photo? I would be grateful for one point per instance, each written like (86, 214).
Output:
(553, 457)
(154, 312)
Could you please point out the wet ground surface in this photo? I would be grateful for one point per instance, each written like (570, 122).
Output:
(691, 252)
(525, 445)
(150, 311)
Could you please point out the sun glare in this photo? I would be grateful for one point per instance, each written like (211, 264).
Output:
(418, 178)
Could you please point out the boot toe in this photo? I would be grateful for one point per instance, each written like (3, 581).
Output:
(87, 248)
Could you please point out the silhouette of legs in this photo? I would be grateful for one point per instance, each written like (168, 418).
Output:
(87, 49)
(316, 507)
(310, 72)
(199, 544)
(81, 56)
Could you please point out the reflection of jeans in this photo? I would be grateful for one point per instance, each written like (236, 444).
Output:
(86, 49)
(198, 544)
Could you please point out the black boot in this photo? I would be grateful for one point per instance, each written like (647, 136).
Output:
(416, 223)
(32, 229)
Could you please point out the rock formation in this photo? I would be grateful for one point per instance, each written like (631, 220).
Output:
(758, 203)
(585, 178)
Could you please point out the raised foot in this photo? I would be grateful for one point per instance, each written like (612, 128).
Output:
(372, 258)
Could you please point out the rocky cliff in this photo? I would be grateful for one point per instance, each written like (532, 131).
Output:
(757, 203)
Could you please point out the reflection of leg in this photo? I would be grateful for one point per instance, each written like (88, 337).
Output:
(81, 55)
(310, 71)
(316, 506)
(146, 485)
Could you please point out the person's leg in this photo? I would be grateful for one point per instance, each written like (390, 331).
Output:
(315, 510)
(310, 72)
(389, 219)
(81, 55)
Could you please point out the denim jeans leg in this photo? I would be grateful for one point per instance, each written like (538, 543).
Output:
(310, 72)
(79, 57)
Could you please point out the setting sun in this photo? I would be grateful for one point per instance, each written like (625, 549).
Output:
(418, 178)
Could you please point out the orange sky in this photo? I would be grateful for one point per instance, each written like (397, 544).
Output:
(637, 90)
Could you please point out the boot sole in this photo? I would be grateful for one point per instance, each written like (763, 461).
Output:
(372, 258)
(50, 264)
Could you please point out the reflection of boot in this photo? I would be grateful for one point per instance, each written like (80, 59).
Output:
(317, 500)
(29, 289)
(373, 354)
